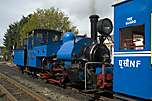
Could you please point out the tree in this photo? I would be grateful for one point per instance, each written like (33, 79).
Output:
(12, 35)
(52, 18)
(41, 19)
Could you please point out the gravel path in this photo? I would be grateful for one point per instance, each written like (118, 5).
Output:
(51, 92)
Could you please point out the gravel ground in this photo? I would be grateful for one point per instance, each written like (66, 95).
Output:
(52, 92)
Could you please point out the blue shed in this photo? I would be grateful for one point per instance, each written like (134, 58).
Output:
(133, 48)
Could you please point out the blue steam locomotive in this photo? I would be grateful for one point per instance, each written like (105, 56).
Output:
(64, 58)
(78, 60)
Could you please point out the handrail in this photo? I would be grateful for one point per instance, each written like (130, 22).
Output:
(88, 63)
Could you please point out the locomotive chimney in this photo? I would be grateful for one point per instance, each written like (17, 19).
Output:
(94, 20)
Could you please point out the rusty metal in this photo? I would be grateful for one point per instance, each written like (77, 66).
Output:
(29, 92)
(7, 94)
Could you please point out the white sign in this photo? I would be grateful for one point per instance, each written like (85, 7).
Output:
(129, 63)
(130, 20)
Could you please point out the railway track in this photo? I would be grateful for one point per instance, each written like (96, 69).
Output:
(11, 90)
(57, 93)
(6, 95)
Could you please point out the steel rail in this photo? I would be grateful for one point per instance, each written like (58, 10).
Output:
(6, 93)
(31, 93)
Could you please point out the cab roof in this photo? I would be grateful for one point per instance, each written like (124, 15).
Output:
(43, 30)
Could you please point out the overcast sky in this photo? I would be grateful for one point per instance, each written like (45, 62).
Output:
(77, 10)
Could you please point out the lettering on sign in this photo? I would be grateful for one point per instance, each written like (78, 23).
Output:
(129, 63)
(130, 20)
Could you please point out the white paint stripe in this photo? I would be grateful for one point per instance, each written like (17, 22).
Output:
(132, 55)
(151, 36)
(146, 52)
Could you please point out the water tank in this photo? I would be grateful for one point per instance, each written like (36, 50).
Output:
(68, 36)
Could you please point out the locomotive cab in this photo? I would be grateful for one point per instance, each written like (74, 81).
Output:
(40, 45)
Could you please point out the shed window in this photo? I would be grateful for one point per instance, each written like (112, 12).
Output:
(132, 38)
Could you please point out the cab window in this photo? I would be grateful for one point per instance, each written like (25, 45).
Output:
(55, 37)
(41, 39)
